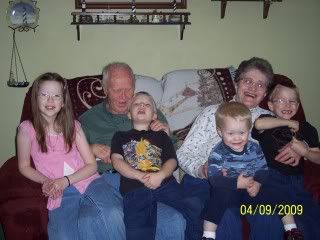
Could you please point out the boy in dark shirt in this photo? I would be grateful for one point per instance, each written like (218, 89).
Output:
(236, 169)
(273, 133)
(146, 160)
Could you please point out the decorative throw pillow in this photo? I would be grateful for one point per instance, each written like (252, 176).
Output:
(187, 92)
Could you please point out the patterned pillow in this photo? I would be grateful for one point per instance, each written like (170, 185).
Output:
(187, 92)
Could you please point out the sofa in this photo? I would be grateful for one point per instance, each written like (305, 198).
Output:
(180, 94)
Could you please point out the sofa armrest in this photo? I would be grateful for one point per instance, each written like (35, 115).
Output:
(23, 212)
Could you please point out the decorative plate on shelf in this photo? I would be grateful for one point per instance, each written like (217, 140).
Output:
(22, 14)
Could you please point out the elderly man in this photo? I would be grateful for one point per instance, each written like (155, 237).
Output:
(99, 124)
(253, 78)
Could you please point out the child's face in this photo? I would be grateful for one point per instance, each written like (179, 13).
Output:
(50, 99)
(284, 103)
(142, 110)
(234, 133)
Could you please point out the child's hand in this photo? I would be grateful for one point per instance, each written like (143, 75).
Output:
(254, 189)
(57, 186)
(46, 187)
(154, 180)
(299, 147)
(293, 125)
(141, 176)
(49, 189)
(244, 182)
(224, 172)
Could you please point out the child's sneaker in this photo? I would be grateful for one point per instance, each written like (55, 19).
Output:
(293, 234)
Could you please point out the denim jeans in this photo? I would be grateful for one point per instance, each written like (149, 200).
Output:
(63, 221)
(230, 227)
(293, 186)
(140, 209)
(101, 213)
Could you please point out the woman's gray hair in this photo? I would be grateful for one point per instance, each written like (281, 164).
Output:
(255, 63)
(115, 65)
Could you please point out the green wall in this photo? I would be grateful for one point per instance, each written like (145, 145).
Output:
(289, 38)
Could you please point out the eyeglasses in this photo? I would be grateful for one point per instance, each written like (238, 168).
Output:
(45, 96)
(282, 101)
(249, 82)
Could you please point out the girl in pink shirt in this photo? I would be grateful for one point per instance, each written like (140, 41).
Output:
(65, 165)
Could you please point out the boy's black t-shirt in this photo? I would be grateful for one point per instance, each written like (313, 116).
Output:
(272, 140)
(145, 151)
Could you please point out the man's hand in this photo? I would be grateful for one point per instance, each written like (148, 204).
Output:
(288, 156)
(156, 125)
(244, 182)
(254, 189)
(203, 171)
(101, 151)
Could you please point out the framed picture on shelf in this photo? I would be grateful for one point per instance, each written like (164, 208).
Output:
(125, 4)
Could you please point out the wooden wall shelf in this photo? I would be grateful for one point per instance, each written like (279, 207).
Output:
(128, 18)
(266, 5)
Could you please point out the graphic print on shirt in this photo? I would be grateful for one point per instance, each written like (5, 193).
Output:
(282, 136)
(223, 162)
(142, 155)
(67, 170)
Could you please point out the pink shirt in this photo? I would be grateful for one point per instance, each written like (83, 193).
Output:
(57, 162)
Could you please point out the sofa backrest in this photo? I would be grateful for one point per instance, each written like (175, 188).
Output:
(181, 94)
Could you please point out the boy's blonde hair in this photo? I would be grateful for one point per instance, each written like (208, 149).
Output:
(284, 82)
(234, 110)
(143, 93)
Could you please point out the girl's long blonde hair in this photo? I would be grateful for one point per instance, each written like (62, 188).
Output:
(64, 122)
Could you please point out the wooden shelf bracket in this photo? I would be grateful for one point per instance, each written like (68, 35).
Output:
(266, 5)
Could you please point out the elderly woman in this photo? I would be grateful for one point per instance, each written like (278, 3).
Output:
(253, 78)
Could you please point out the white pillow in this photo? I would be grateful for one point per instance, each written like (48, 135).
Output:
(150, 85)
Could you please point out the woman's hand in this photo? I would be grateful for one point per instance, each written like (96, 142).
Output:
(203, 171)
(288, 156)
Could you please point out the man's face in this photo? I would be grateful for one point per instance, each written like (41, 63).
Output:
(251, 88)
(119, 90)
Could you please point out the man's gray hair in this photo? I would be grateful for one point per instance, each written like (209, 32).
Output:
(115, 65)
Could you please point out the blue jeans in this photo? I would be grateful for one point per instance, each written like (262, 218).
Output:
(293, 186)
(63, 221)
(230, 227)
(101, 213)
(140, 210)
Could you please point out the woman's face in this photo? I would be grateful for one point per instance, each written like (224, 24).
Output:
(251, 88)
